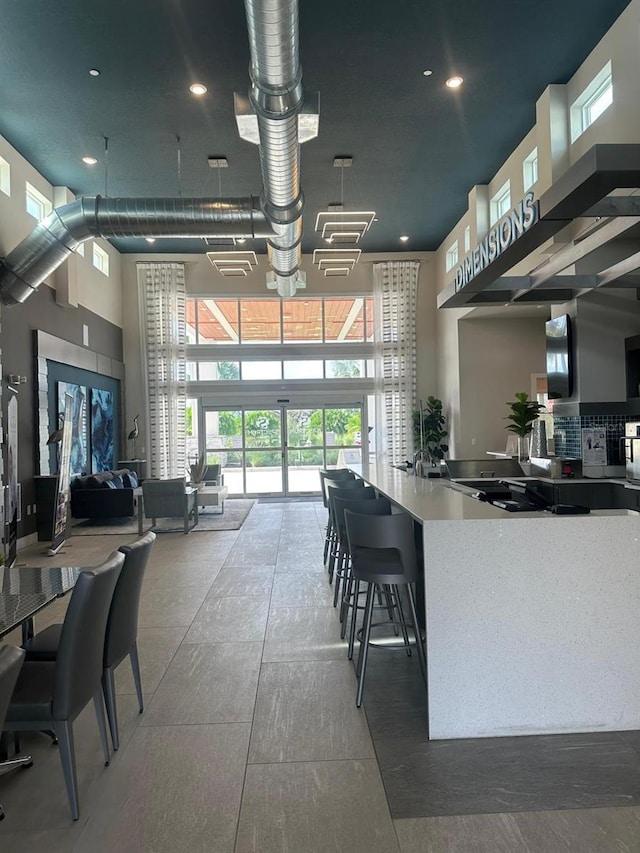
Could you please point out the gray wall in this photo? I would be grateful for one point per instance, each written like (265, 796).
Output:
(41, 312)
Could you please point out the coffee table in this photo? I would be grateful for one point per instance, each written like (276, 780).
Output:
(212, 496)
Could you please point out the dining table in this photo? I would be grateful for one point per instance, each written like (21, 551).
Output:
(26, 590)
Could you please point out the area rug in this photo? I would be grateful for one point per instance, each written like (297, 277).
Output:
(233, 517)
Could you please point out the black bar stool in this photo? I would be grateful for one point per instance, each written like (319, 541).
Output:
(378, 506)
(330, 486)
(384, 555)
(331, 474)
(340, 551)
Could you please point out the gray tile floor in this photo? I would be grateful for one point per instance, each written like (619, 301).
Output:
(250, 739)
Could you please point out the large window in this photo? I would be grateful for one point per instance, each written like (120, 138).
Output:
(275, 321)
(592, 102)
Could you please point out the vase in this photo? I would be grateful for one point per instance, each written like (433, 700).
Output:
(523, 448)
(538, 447)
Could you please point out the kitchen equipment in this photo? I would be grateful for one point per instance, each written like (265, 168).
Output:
(480, 468)
(556, 467)
(632, 450)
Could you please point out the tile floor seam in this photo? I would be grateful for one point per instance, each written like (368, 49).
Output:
(253, 716)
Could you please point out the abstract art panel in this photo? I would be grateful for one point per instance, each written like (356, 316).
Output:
(101, 430)
(79, 432)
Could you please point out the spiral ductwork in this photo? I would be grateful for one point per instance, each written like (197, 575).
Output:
(57, 236)
(277, 97)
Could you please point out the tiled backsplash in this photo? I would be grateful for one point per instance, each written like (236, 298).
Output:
(568, 438)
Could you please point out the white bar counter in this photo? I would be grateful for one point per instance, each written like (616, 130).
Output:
(532, 619)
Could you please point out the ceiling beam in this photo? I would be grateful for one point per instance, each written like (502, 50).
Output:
(569, 255)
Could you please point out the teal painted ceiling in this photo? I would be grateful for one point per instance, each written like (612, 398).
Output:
(417, 146)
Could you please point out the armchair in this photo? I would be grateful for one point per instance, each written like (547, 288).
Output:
(212, 475)
(169, 499)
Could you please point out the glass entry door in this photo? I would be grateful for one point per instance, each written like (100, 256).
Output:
(279, 450)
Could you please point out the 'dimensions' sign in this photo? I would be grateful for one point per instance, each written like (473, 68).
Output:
(503, 234)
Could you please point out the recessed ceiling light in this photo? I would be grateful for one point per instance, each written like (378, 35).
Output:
(454, 82)
(404, 238)
(241, 240)
(198, 88)
(427, 72)
(90, 161)
(94, 72)
(150, 239)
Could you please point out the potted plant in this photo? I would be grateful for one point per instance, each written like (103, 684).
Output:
(197, 469)
(429, 432)
(524, 412)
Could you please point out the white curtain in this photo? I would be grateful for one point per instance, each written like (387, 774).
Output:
(163, 331)
(395, 299)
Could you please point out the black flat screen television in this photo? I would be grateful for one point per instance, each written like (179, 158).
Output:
(559, 358)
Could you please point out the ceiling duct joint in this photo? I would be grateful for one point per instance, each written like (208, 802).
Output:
(283, 215)
(277, 103)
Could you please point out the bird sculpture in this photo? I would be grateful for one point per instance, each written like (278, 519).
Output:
(56, 435)
(133, 435)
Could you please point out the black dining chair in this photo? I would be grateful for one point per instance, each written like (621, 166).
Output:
(121, 633)
(49, 695)
(11, 659)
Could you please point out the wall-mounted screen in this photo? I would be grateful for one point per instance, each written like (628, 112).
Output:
(559, 358)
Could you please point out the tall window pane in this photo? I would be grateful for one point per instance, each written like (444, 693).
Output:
(217, 321)
(301, 320)
(344, 319)
(261, 369)
(260, 321)
(299, 369)
(368, 303)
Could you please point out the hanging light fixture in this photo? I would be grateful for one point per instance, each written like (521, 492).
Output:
(341, 229)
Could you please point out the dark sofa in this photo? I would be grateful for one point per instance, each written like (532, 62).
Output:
(108, 494)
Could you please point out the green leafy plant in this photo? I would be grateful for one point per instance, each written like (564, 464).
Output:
(433, 432)
(523, 414)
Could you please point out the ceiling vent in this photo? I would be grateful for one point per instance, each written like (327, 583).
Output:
(220, 242)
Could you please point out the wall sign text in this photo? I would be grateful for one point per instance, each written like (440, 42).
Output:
(503, 234)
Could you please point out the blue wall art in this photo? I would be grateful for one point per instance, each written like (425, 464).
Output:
(79, 433)
(101, 430)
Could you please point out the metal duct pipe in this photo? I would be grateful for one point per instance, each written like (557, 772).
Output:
(57, 236)
(277, 97)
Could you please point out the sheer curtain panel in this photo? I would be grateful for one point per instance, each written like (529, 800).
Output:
(163, 331)
(395, 298)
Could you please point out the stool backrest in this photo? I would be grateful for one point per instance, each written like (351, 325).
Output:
(333, 474)
(79, 659)
(390, 532)
(346, 489)
(369, 506)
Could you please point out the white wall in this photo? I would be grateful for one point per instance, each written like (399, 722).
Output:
(91, 288)
(497, 358)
